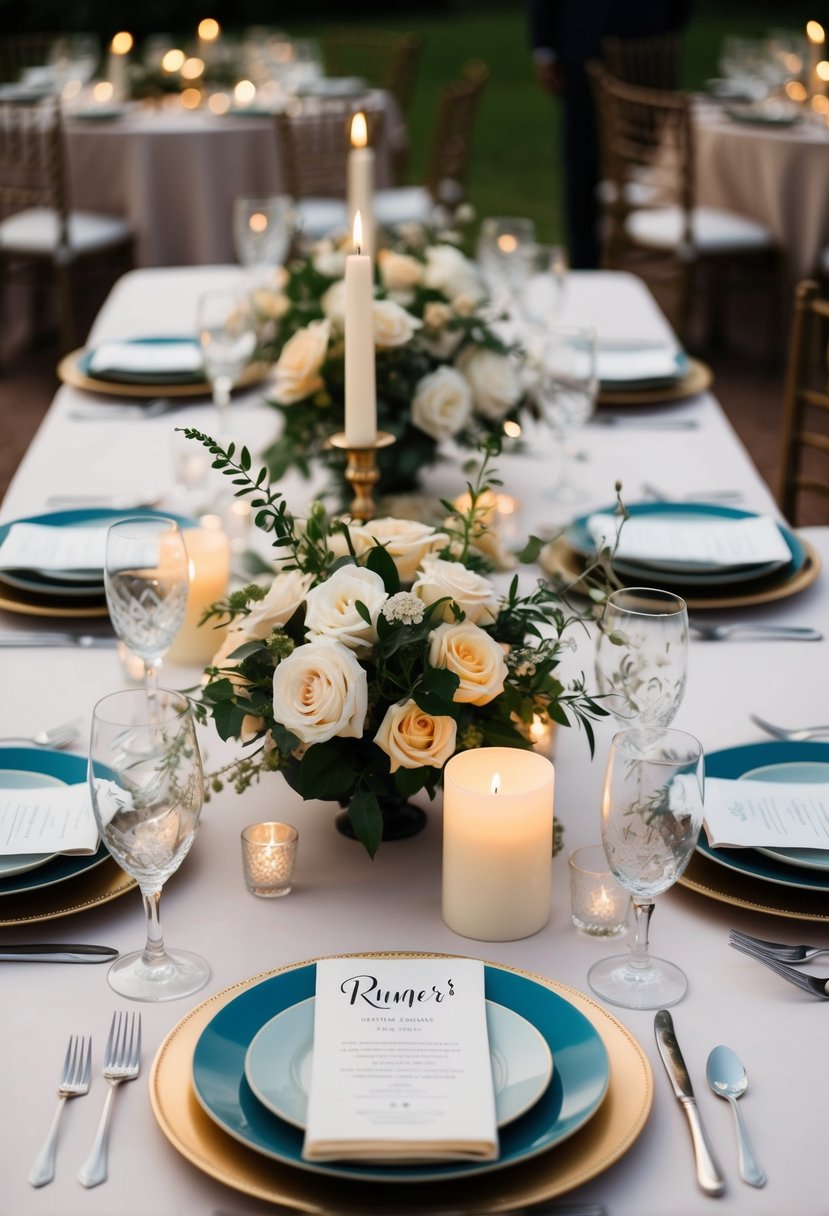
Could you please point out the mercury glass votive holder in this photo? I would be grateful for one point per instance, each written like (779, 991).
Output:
(268, 858)
(598, 903)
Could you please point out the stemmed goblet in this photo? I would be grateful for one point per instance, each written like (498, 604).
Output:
(652, 805)
(262, 229)
(227, 336)
(147, 789)
(562, 377)
(146, 577)
(642, 655)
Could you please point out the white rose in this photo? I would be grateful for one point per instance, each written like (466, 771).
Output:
(297, 371)
(271, 304)
(393, 326)
(412, 738)
(448, 271)
(474, 656)
(331, 607)
(436, 314)
(329, 262)
(320, 691)
(406, 542)
(442, 403)
(286, 593)
(493, 380)
(398, 271)
(472, 593)
(332, 302)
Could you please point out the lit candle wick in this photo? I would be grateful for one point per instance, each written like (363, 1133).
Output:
(495, 788)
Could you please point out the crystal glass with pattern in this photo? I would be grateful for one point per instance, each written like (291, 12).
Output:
(642, 655)
(227, 336)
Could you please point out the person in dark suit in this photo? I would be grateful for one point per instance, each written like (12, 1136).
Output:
(565, 35)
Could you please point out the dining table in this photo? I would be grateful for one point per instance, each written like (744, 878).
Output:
(639, 1162)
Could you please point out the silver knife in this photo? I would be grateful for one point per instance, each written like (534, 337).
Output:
(709, 1175)
(60, 953)
(86, 641)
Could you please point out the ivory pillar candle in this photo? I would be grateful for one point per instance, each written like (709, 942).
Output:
(361, 181)
(817, 43)
(118, 65)
(497, 843)
(208, 554)
(360, 387)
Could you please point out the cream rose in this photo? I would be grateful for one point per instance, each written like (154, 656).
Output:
(442, 403)
(406, 541)
(297, 371)
(286, 593)
(271, 304)
(448, 271)
(393, 326)
(329, 262)
(474, 656)
(412, 738)
(331, 606)
(398, 271)
(320, 691)
(332, 302)
(493, 380)
(472, 593)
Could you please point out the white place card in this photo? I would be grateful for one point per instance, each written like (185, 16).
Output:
(43, 547)
(766, 814)
(152, 357)
(401, 1067)
(51, 819)
(724, 543)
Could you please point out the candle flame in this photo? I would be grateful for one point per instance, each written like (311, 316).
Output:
(359, 130)
(122, 43)
(796, 90)
(258, 222)
(815, 32)
(358, 231)
(209, 29)
(507, 243)
(495, 788)
(172, 60)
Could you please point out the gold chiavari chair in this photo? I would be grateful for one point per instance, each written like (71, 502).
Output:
(805, 440)
(655, 63)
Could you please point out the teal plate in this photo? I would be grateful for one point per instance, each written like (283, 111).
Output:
(736, 762)
(579, 1083)
(131, 377)
(578, 538)
(69, 770)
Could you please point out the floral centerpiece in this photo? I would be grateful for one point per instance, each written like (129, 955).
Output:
(379, 650)
(442, 370)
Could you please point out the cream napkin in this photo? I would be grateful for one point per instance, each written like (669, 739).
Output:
(158, 358)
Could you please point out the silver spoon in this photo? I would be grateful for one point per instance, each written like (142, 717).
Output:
(728, 1079)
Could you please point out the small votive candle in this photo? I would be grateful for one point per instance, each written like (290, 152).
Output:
(268, 858)
(598, 903)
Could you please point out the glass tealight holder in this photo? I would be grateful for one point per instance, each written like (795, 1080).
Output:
(598, 903)
(268, 857)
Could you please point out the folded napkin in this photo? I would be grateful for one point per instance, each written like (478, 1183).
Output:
(156, 358)
(401, 1069)
(707, 543)
(639, 364)
(51, 819)
(47, 547)
(766, 814)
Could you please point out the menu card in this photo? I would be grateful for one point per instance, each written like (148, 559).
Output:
(725, 543)
(401, 1069)
(50, 819)
(156, 358)
(766, 814)
(45, 547)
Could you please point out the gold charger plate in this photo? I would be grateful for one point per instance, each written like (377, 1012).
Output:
(560, 560)
(107, 881)
(29, 603)
(708, 878)
(697, 379)
(70, 373)
(608, 1135)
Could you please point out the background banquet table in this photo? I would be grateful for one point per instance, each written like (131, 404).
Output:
(776, 174)
(174, 173)
(343, 902)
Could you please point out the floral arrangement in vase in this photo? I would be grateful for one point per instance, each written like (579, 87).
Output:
(442, 370)
(377, 651)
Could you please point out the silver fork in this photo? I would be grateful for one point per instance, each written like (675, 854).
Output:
(718, 633)
(122, 1061)
(77, 1074)
(777, 950)
(809, 983)
(793, 733)
(56, 736)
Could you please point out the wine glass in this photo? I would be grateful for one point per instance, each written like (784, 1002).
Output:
(561, 367)
(642, 655)
(147, 789)
(500, 239)
(146, 577)
(262, 229)
(227, 336)
(652, 805)
(540, 278)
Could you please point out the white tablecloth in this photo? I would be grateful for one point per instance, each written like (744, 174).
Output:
(344, 902)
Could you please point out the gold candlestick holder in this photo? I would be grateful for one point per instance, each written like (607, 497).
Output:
(361, 471)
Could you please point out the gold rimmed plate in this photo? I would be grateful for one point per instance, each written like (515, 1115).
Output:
(697, 379)
(70, 371)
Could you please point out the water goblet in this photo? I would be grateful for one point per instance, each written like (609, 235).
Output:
(500, 239)
(227, 336)
(540, 280)
(146, 577)
(562, 377)
(262, 228)
(642, 655)
(652, 805)
(147, 789)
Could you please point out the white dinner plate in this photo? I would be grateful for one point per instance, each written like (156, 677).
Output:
(278, 1062)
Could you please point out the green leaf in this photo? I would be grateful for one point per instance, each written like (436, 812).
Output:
(504, 734)
(326, 772)
(410, 780)
(246, 650)
(381, 563)
(363, 611)
(367, 820)
(530, 553)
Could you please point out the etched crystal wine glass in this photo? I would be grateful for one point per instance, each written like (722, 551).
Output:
(146, 577)
(652, 805)
(147, 788)
(642, 655)
(227, 336)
